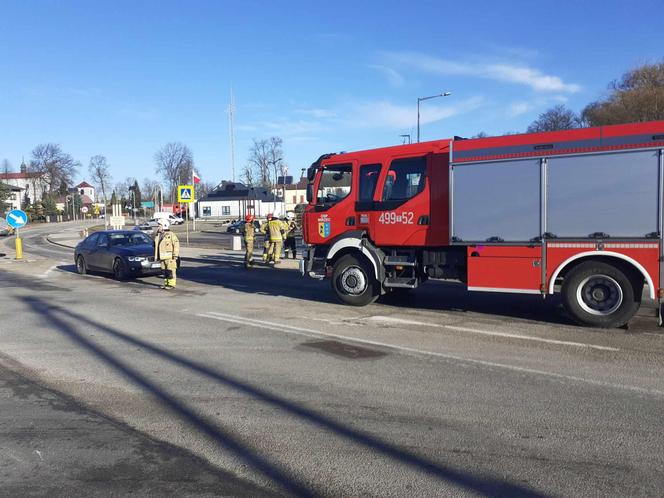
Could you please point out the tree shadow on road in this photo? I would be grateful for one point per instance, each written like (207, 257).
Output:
(432, 296)
(62, 320)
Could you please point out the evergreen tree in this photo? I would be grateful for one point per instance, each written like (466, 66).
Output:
(63, 188)
(48, 204)
(5, 193)
(137, 194)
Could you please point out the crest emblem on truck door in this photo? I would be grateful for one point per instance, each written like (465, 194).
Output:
(324, 229)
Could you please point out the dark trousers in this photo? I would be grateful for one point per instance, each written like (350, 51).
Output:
(289, 245)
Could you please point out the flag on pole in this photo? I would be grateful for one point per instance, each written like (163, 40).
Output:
(197, 179)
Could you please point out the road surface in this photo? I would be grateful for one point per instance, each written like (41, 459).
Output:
(274, 388)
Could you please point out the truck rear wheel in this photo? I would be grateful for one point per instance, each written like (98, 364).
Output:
(598, 294)
(354, 282)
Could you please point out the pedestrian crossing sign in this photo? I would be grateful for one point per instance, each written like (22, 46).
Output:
(185, 193)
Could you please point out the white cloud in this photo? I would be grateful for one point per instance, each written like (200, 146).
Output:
(359, 115)
(393, 76)
(288, 128)
(506, 72)
(518, 108)
(317, 113)
(385, 114)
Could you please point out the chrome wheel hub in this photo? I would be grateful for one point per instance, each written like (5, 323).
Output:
(353, 281)
(599, 295)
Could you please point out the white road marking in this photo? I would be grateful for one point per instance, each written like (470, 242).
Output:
(418, 352)
(400, 321)
(530, 338)
(47, 272)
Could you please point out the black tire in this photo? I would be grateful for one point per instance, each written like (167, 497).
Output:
(119, 270)
(598, 294)
(353, 281)
(81, 267)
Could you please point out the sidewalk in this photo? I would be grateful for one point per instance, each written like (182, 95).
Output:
(187, 253)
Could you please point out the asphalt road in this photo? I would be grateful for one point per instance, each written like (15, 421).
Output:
(258, 382)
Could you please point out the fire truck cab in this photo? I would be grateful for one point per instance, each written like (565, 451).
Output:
(577, 212)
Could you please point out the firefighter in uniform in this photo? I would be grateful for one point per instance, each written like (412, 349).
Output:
(289, 243)
(167, 250)
(266, 240)
(274, 230)
(248, 231)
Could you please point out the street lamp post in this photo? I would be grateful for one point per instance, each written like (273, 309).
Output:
(420, 99)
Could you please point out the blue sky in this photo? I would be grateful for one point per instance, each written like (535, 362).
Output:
(123, 78)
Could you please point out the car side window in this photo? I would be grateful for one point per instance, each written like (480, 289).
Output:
(91, 241)
(102, 241)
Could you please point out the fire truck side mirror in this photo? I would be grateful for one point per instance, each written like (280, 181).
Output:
(310, 192)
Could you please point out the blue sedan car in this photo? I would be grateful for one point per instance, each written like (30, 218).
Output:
(124, 253)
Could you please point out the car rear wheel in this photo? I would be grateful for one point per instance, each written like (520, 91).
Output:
(353, 281)
(119, 270)
(598, 294)
(81, 267)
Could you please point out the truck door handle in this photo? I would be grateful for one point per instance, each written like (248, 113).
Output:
(350, 221)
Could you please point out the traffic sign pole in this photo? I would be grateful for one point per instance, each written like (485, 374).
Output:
(17, 219)
(19, 245)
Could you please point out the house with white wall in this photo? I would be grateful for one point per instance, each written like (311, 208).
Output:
(234, 200)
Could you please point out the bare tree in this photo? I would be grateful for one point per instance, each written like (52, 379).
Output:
(122, 188)
(637, 96)
(204, 188)
(176, 163)
(100, 174)
(6, 166)
(150, 189)
(248, 175)
(557, 118)
(53, 166)
(265, 162)
(276, 156)
(258, 166)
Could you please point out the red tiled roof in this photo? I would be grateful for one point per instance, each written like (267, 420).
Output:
(18, 176)
(84, 185)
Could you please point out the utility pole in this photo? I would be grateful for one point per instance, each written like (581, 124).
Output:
(231, 131)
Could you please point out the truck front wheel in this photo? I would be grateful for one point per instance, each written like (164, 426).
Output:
(598, 294)
(354, 282)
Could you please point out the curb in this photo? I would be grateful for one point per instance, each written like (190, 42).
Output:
(48, 238)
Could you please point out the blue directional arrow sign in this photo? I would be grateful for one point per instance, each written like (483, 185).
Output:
(17, 218)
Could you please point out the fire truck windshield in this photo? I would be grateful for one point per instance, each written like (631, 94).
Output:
(335, 183)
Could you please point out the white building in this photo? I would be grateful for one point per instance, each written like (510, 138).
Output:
(294, 194)
(33, 184)
(84, 188)
(235, 200)
(15, 198)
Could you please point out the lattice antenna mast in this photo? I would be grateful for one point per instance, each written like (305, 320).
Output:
(231, 132)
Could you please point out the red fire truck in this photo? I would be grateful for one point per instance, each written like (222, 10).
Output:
(577, 212)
